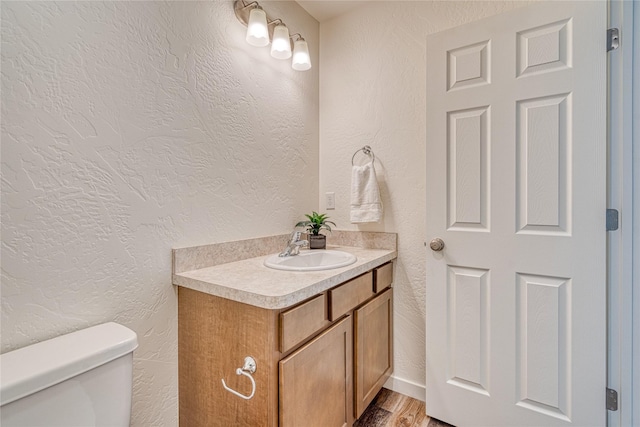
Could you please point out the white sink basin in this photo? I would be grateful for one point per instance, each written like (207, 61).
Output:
(311, 260)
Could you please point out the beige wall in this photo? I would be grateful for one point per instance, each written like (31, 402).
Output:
(129, 128)
(372, 91)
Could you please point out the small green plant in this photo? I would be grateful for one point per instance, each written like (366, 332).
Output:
(315, 223)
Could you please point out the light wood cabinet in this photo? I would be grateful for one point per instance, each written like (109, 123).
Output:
(214, 336)
(382, 277)
(373, 351)
(316, 381)
(319, 363)
(343, 298)
(299, 323)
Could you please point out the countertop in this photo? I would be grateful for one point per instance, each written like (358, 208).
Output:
(250, 282)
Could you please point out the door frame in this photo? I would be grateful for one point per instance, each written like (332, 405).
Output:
(636, 215)
(624, 244)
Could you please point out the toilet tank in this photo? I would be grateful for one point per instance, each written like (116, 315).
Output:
(80, 379)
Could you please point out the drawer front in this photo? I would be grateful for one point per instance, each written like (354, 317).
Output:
(383, 277)
(302, 321)
(349, 295)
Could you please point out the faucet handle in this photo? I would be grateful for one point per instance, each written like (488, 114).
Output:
(297, 245)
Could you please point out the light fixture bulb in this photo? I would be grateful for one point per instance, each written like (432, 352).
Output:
(257, 31)
(301, 60)
(281, 45)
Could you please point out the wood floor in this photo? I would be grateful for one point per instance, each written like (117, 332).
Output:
(391, 409)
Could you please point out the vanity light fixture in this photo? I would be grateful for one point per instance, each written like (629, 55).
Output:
(281, 45)
(301, 60)
(257, 28)
(260, 29)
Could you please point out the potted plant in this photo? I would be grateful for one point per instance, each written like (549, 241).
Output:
(315, 223)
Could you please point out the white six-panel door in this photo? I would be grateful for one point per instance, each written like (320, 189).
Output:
(516, 187)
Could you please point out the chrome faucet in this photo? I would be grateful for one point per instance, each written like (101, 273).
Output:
(293, 247)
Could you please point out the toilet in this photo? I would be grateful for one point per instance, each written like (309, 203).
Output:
(80, 379)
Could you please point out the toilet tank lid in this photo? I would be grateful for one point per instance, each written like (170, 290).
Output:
(33, 368)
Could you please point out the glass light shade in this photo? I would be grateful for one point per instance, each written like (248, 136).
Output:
(257, 31)
(280, 45)
(301, 60)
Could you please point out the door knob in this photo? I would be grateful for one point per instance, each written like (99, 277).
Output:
(436, 244)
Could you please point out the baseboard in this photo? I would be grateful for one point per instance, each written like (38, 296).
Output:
(406, 387)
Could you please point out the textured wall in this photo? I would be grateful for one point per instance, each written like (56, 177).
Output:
(129, 128)
(372, 91)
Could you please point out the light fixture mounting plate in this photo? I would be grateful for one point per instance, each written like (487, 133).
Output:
(242, 11)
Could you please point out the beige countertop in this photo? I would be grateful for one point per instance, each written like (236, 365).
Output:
(250, 282)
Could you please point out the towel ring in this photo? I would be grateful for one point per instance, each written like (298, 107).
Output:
(366, 150)
(247, 369)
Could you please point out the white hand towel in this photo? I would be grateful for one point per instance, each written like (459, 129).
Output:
(366, 204)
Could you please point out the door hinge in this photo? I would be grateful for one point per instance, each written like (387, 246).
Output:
(613, 39)
(612, 400)
(612, 219)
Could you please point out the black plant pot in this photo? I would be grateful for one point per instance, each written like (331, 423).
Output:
(317, 242)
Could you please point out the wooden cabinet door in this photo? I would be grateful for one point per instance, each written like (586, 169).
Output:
(373, 348)
(316, 381)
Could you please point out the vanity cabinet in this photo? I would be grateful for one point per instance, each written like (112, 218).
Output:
(319, 363)
(373, 348)
(316, 381)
